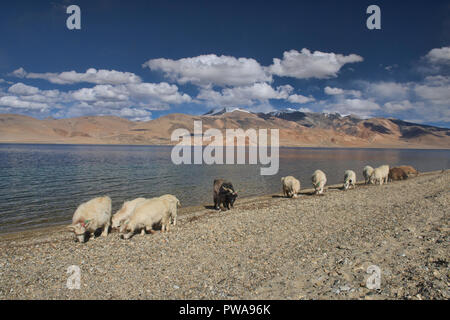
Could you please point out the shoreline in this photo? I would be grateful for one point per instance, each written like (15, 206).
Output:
(183, 212)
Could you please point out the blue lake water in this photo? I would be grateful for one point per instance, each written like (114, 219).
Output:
(42, 185)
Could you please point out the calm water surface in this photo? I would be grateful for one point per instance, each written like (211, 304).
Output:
(42, 185)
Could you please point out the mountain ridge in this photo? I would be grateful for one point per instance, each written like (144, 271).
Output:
(296, 129)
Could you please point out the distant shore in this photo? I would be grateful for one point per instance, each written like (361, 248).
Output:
(269, 247)
(374, 146)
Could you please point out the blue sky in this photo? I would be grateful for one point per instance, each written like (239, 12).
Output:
(144, 59)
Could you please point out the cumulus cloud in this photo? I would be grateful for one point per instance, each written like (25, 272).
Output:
(333, 91)
(360, 107)
(435, 90)
(23, 96)
(129, 100)
(338, 91)
(17, 103)
(307, 64)
(298, 98)
(397, 106)
(211, 69)
(90, 76)
(155, 96)
(135, 114)
(427, 100)
(439, 56)
(100, 92)
(22, 89)
(19, 73)
(387, 90)
(166, 93)
(243, 96)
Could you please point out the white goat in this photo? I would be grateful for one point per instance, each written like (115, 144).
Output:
(174, 204)
(377, 176)
(90, 216)
(319, 179)
(385, 171)
(124, 212)
(291, 186)
(349, 179)
(367, 173)
(146, 214)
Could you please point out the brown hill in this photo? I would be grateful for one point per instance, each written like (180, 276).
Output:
(295, 129)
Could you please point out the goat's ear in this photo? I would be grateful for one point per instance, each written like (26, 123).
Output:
(70, 227)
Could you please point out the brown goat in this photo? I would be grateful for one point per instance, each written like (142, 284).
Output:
(409, 170)
(397, 174)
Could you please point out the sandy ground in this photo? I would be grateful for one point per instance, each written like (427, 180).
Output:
(313, 247)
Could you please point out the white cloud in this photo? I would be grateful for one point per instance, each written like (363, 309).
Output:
(17, 103)
(211, 69)
(427, 100)
(298, 98)
(28, 97)
(19, 73)
(333, 91)
(166, 93)
(154, 96)
(387, 90)
(397, 106)
(439, 56)
(129, 100)
(304, 64)
(100, 92)
(360, 107)
(338, 91)
(391, 67)
(22, 89)
(90, 76)
(244, 96)
(135, 114)
(435, 90)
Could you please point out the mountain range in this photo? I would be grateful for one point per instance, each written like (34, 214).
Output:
(296, 129)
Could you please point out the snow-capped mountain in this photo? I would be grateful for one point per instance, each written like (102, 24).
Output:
(216, 112)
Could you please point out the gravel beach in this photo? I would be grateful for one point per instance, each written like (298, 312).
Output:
(270, 247)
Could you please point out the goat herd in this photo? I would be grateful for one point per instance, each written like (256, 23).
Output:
(143, 214)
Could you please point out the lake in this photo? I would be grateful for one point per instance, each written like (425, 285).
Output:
(41, 185)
